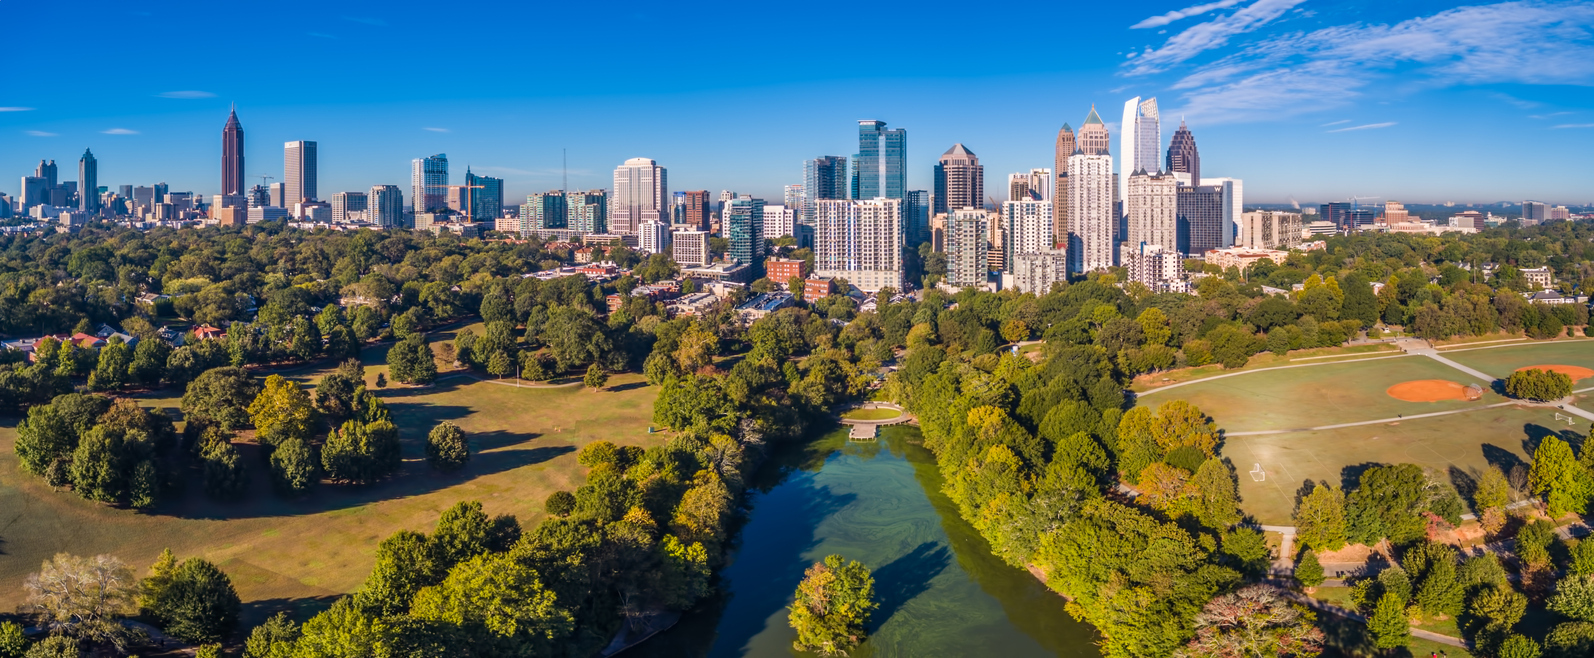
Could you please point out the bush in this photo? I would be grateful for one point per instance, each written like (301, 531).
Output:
(1540, 385)
(560, 503)
(446, 447)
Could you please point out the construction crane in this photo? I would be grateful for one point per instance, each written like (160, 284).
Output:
(466, 201)
(263, 178)
(1356, 200)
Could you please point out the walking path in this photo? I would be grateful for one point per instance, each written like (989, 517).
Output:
(1430, 353)
(1247, 372)
(1379, 421)
(1352, 614)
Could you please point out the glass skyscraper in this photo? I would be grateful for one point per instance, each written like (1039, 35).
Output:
(744, 228)
(879, 169)
(916, 218)
(429, 183)
(487, 203)
(824, 177)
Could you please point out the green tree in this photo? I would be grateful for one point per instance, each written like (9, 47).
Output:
(1493, 491)
(199, 605)
(12, 642)
(1217, 501)
(1574, 598)
(447, 448)
(1540, 385)
(1387, 503)
(596, 377)
(1255, 621)
(1496, 610)
(1388, 624)
(1438, 591)
(293, 467)
(535, 367)
(273, 639)
(222, 395)
(225, 477)
(1320, 519)
(683, 574)
(282, 411)
(110, 372)
(96, 468)
(1309, 571)
(1517, 646)
(405, 562)
(499, 606)
(149, 361)
(410, 360)
(1582, 555)
(45, 438)
(1557, 475)
(361, 452)
(832, 607)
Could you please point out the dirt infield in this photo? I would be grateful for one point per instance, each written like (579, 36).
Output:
(1427, 390)
(1575, 372)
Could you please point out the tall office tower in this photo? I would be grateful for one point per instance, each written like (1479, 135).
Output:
(1151, 210)
(653, 237)
(1183, 158)
(959, 180)
(1337, 213)
(780, 221)
(277, 195)
(88, 178)
(487, 202)
(677, 207)
(258, 196)
(1534, 212)
(5, 206)
(384, 206)
(744, 228)
(125, 191)
(1093, 138)
(587, 212)
(545, 210)
(690, 248)
(1139, 143)
(35, 191)
(145, 198)
(1017, 187)
(793, 197)
(1091, 217)
(64, 194)
(298, 171)
(879, 169)
(1040, 184)
(916, 218)
(1200, 217)
(1269, 229)
(860, 241)
(47, 171)
(697, 210)
(160, 192)
(232, 156)
(344, 203)
(824, 177)
(1027, 225)
(641, 193)
(429, 183)
(1233, 203)
(967, 241)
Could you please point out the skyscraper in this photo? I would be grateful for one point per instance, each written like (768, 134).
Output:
(545, 210)
(88, 178)
(384, 206)
(916, 218)
(697, 209)
(1017, 187)
(232, 156)
(1183, 159)
(879, 169)
(1232, 191)
(959, 180)
(298, 172)
(1151, 212)
(35, 191)
(1093, 138)
(587, 212)
(1063, 150)
(1092, 219)
(793, 197)
(1200, 216)
(824, 177)
(344, 203)
(1139, 143)
(429, 183)
(744, 228)
(641, 193)
(1336, 212)
(967, 241)
(860, 241)
(1027, 227)
(486, 202)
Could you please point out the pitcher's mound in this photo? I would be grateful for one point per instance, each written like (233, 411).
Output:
(1429, 390)
(1575, 372)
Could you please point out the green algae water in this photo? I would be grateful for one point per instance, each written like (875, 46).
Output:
(941, 591)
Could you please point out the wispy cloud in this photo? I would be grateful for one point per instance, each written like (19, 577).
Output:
(1552, 114)
(436, 130)
(367, 21)
(1334, 123)
(119, 131)
(1178, 14)
(1535, 42)
(16, 109)
(1574, 125)
(186, 94)
(1215, 33)
(38, 133)
(1369, 126)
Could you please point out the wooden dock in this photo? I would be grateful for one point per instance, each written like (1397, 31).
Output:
(862, 432)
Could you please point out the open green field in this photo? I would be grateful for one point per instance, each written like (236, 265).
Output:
(871, 414)
(1263, 360)
(284, 553)
(1316, 395)
(1502, 361)
(1466, 441)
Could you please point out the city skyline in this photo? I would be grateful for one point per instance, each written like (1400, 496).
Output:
(1203, 63)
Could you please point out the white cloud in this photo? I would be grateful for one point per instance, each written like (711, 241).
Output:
(186, 94)
(38, 133)
(1524, 42)
(436, 130)
(1178, 14)
(1574, 125)
(1215, 33)
(15, 109)
(1369, 126)
(1334, 123)
(1552, 114)
(119, 131)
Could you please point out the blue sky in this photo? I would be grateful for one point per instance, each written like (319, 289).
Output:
(1307, 99)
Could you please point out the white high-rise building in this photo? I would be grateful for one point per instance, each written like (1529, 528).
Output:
(641, 193)
(298, 171)
(384, 206)
(1091, 215)
(1159, 269)
(1140, 142)
(967, 235)
(780, 220)
(1269, 229)
(690, 248)
(860, 241)
(793, 198)
(1233, 205)
(1152, 211)
(1036, 271)
(653, 237)
(344, 203)
(1028, 227)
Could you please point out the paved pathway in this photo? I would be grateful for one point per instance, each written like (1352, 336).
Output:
(1481, 375)
(1379, 421)
(1247, 372)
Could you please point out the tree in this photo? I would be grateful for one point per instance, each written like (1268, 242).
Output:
(56, 646)
(149, 361)
(83, 597)
(199, 604)
(1216, 500)
(832, 607)
(500, 364)
(499, 605)
(596, 377)
(1540, 385)
(96, 471)
(293, 467)
(1557, 475)
(1496, 610)
(1320, 519)
(45, 439)
(684, 574)
(1517, 646)
(1493, 490)
(1387, 503)
(222, 395)
(410, 361)
(560, 503)
(405, 562)
(446, 447)
(463, 532)
(1439, 592)
(1254, 621)
(282, 411)
(1574, 598)
(361, 452)
(1309, 571)
(12, 642)
(535, 367)
(1388, 624)
(225, 477)
(273, 639)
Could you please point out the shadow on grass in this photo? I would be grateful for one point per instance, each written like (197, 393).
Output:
(1505, 459)
(1537, 433)
(627, 387)
(255, 613)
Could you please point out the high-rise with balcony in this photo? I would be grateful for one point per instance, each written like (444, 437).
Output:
(232, 156)
(641, 193)
(429, 183)
(824, 177)
(959, 180)
(1063, 150)
(1152, 211)
(744, 229)
(543, 210)
(298, 171)
(344, 203)
(587, 212)
(1140, 142)
(1093, 138)
(1027, 227)
(879, 169)
(384, 206)
(967, 243)
(1183, 158)
(860, 241)
(88, 176)
(1091, 216)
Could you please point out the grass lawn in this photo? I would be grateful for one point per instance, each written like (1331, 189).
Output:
(1350, 638)
(1465, 441)
(1261, 360)
(1502, 361)
(871, 414)
(1316, 395)
(284, 554)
